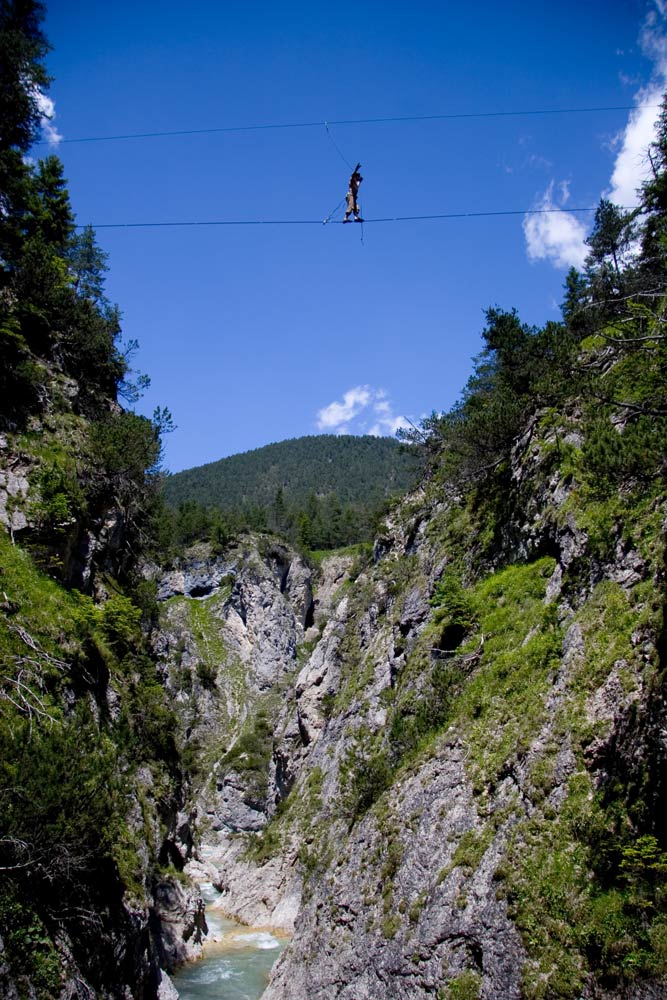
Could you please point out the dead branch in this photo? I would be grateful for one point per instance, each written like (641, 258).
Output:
(25, 699)
(19, 846)
(634, 340)
(631, 407)
(36, 647)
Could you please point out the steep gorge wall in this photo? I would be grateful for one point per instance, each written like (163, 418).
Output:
(454, 766)
(235, 631)
(93, 833)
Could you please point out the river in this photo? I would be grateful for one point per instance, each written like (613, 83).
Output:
(236, 961)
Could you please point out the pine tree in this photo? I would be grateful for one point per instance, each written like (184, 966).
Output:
(282, 520)
(610, 236)
(51, 218)
(23, 78)
(304, 530)
(88, 264)
(609, 277)
(654, 207)
(576, 296)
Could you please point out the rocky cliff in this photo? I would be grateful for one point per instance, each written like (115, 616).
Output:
(442, 770)
(438, 765)
(93, 830)
(234, 635)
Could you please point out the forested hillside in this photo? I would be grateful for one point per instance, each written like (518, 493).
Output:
(320, 491)
(90, 779)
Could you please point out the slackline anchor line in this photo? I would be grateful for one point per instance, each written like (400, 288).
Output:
(331, 214)
(336, 146)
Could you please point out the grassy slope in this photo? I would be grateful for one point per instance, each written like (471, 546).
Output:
(68, 773)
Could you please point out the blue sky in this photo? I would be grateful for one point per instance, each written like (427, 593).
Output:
(253, 334)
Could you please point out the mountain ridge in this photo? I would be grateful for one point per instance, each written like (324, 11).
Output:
(254, 476)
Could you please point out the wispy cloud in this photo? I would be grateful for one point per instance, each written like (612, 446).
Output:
(559, 238)
(362, 410)
(386, 423)
(47, 109)
(554, 235)
(632, 166)
(336, 416)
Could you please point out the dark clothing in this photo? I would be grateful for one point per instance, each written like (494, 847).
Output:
(351, 196)
(355, 181)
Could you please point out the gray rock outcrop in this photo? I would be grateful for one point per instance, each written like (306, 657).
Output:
(178, 921)
(406, 861)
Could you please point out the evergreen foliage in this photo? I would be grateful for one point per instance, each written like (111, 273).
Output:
(320, 492)
(60, 351)
(70, 856)
(52, 304)
(609, 351)
(68, 771)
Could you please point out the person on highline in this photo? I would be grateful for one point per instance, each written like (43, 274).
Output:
(351, 196)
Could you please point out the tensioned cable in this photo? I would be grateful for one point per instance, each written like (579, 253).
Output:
(320, 222)
(337, 147)
(351, 121)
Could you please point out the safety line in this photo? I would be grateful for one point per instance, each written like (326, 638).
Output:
(350, 121)
(337, 147)
(332, 213)
(319, 222)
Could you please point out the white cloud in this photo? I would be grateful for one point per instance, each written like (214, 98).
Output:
(632, 164)
(47, 110)
(552, 234)
(560, 238)
(335, 415)
(540, 162)
(362, 410)
(387, 427)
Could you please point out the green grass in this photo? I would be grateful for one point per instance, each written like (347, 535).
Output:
(360, 550)
(66, 769)
(465, 986)
(503, 704)
(251, 755)
(206, 629)
(587, 894)
(574, 918)
(49, 610)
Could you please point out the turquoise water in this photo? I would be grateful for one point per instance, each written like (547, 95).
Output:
(236, 961)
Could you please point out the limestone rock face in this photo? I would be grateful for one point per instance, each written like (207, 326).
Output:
(299, 591)
(14, 488)
(331, 579)
(319, 677)
(404, 860)
(453, 922)
(232, 811)
(200, 577)
(266, 895)
(166, 989)
(409, 901)
(178, 922)
(227, 645)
